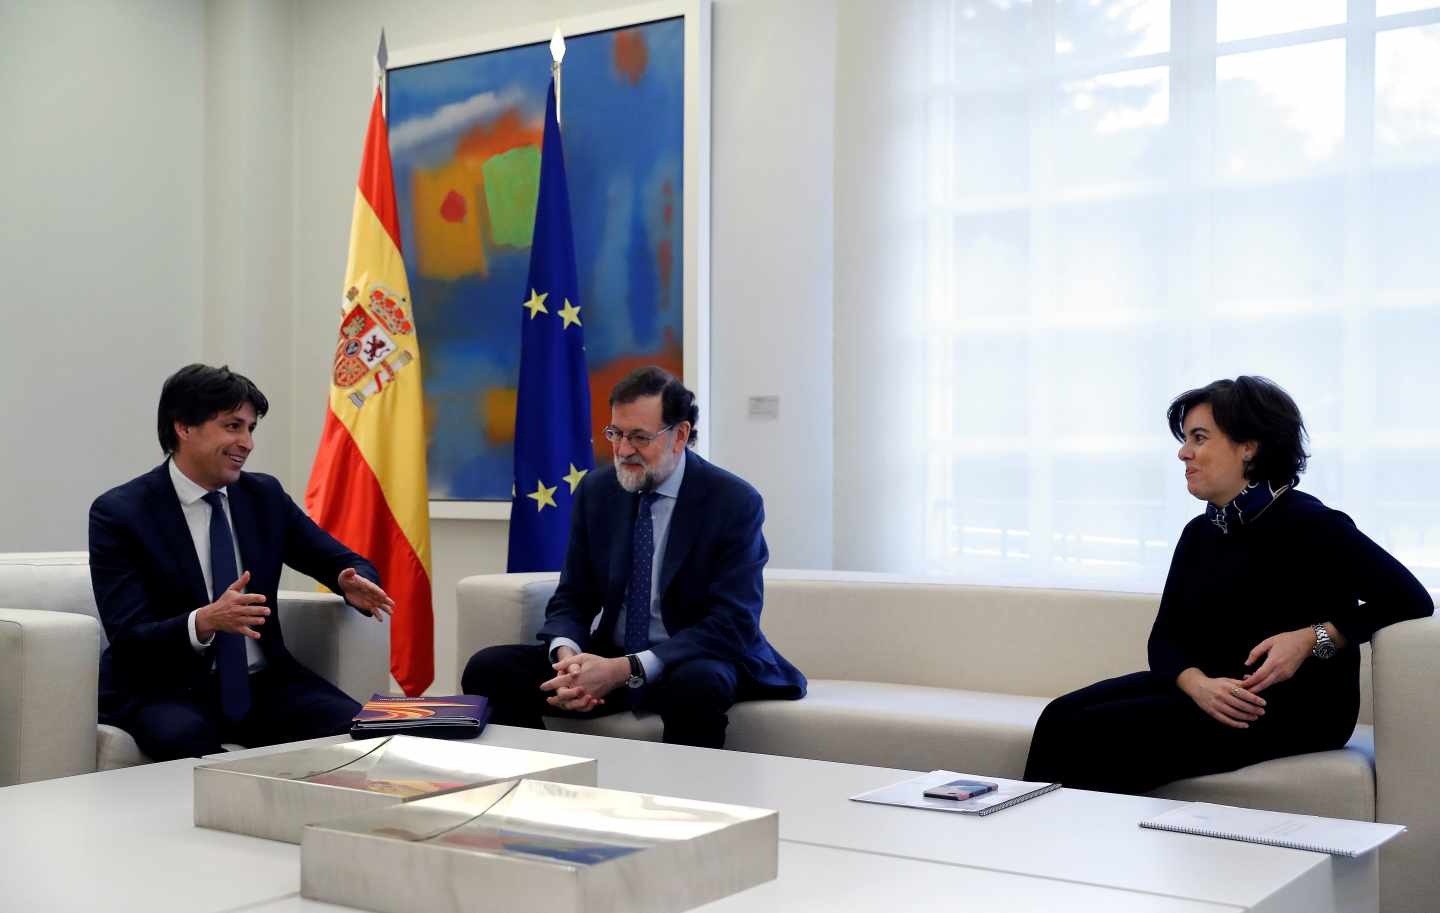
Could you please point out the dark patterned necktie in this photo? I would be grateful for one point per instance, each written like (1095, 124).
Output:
(230, 663)
(642, 561)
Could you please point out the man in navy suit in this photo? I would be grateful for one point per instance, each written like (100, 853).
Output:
(667, 550)
(185, 561)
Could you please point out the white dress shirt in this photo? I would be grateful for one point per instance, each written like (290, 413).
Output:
(197, 518)
(661, 513)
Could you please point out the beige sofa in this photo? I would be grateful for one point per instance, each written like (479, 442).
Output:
(924, 675)
(50, 644)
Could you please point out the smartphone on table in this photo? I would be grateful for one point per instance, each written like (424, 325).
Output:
(961, 789)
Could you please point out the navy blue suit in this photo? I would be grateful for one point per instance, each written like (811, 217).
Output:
(147, 580)
(711, 592)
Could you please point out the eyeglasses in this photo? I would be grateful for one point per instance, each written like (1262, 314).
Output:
(637, 439)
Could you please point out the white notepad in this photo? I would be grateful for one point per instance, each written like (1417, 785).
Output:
(911, 794)
(1336, 836)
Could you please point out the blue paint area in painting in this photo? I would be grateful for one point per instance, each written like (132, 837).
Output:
(624, 147)
(642, 292)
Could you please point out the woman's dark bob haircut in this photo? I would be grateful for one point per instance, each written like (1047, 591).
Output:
(1252, 409)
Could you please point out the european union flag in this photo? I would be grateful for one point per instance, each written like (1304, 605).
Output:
(553, 451)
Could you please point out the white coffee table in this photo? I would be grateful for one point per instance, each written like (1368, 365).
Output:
(123, 840)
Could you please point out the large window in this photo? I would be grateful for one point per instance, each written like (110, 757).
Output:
(1129, 198)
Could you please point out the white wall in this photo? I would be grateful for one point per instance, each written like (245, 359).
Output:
(881, 92)
(771, 326)
(186, 195)
(100, 247)
(248, 205)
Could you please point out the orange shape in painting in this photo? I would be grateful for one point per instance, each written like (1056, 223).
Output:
(504, 133)
(447, 230)
(497, 411)
(453, 209)
(631, 55)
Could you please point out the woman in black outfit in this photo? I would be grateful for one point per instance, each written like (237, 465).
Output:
(1255, 651)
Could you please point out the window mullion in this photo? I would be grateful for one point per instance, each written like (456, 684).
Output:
(1358, 394)
(1193, 102)
(1044, 289)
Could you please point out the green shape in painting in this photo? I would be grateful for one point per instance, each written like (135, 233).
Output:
(512, 185)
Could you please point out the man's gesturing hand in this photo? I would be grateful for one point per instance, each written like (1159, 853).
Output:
(364, 595)
(584, 679)
(236, 612)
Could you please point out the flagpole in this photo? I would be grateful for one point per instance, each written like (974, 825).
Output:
(557, 54)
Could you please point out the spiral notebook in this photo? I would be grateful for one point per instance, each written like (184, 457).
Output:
(1336, 836)
(911, 794)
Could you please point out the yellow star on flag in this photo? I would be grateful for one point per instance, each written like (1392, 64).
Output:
(570, 314)
(575, 474)
(544, 497)
(536, 304)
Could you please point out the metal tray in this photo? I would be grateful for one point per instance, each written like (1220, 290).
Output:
(528, 846)
(276, 795)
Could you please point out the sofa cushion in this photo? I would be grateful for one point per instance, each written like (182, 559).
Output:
(116, 748)
(1336, 784)
(625, 725)
(919, 728)
(1028, 643)
(48, 581)
(913, 727)
(862, 723)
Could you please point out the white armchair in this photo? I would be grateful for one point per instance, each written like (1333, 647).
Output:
(50, 645)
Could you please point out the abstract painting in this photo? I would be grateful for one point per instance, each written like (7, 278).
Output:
(465, 145)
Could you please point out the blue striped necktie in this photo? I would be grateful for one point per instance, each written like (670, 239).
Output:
(230, 663)
(642, 561)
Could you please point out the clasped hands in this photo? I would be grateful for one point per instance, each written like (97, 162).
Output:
(584, 679)
(239, 612)
(1237, 702)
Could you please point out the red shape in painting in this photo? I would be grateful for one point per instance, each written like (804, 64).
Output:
(665, 262)
(453, 209)
(631, 55)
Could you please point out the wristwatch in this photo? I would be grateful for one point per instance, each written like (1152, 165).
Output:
(1324, 647)
(637, 671)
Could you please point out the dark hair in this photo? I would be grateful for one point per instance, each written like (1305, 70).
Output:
(197, 393)
(677, 404)
(1252, 409)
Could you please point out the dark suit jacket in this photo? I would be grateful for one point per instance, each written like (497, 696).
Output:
(147, 578)
(711, 589)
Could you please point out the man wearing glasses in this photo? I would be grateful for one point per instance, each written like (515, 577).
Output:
(667, 550)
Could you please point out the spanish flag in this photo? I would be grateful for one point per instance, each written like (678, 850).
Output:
(368, 487)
